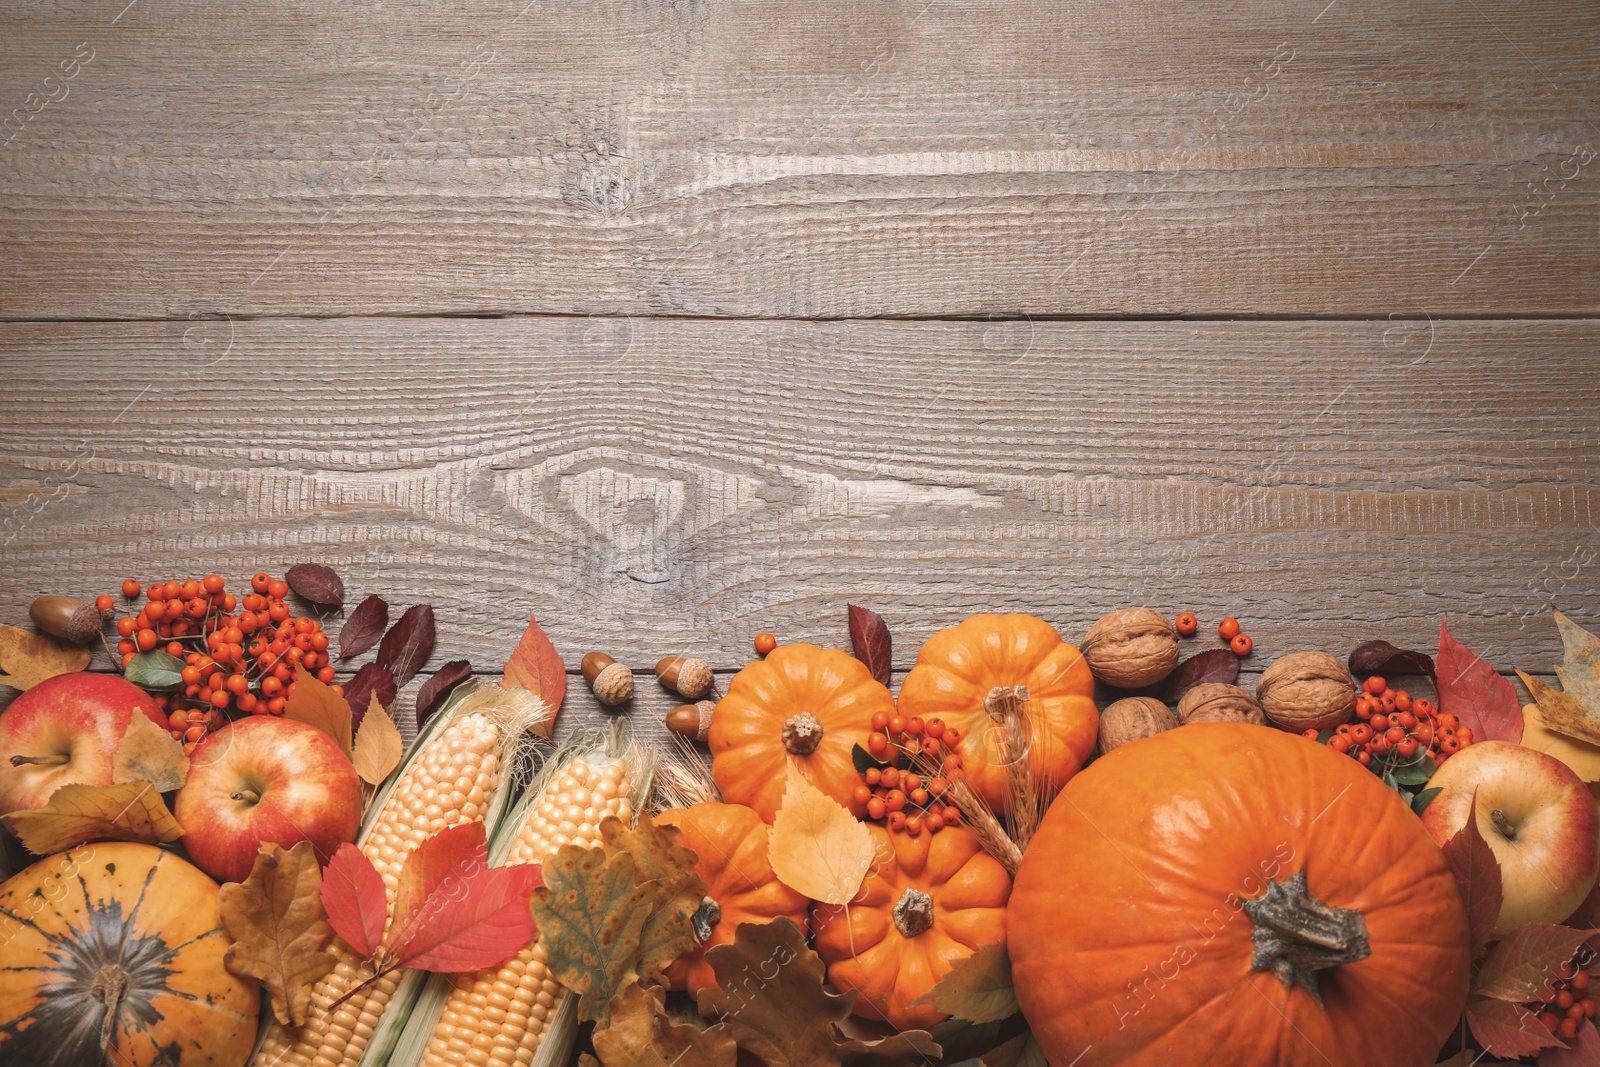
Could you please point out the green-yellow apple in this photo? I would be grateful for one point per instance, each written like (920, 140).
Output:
(1537, 816)
(265, 779)
(65, 731)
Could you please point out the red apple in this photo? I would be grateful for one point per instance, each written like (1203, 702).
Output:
(265, 779)
(65, 731)
(1537, 816)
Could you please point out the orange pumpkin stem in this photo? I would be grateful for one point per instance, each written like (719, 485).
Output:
(109, 985)
(913, 913)
(1297, 935)
(802, 734)
(1503, 824)
(55, 759)
(705, 919)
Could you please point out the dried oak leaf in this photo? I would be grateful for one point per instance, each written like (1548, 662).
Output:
(591, 911)
(317, 585)
(1581, 757)
(372, 680)
(1574, 709)
(379, 746)
(816, 846)
(1216, 665)
(147, 753)
(641, 1034)
(668, 867)
(769, 994)
(26, 659)
(364, 626)
(977, 988)
(1477, 875)
(535, 665)
(131, 811)
(1474, 693)
(318, 705)
(436, 689)
(408, 644)
(870, 642)
(1506, 1029)
(280, 932)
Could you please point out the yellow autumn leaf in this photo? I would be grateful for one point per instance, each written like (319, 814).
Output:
(26, 659)
(131, 811)
(147, 753)
(378, 744)
(318, 705)
(1581, 756)
(816, 846)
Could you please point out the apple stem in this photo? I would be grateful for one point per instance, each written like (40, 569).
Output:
(1503, 824)
(249, 796)
(54, 760)
(1296, 935)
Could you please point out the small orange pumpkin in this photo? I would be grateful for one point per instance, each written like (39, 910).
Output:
(928, 901)
(112, 953)
(731, 843)
(966, 675)
(802, 706)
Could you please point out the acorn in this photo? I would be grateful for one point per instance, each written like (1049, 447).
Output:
(692, 720)
(691, 678)
(611, 681)
(66, 618)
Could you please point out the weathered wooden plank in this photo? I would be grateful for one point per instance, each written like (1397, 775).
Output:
(701, 481)
(823, 159)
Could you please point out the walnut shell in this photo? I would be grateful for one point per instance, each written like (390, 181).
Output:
(1307, 691)
(1131, 648)
(1219, 702)
(1132, 719)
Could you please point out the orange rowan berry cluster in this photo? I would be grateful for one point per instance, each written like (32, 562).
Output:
(908, 794)
(1567, 1002)
(1228, 629)
(1392, 725)
(239, 654)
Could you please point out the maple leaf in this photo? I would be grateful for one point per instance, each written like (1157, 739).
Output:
(378, 747)
(641, 1034)
(978, 987)
(769, 994)
(591, 911)
(816, 846)
(130, 811)
(1506, 1029)
(355, 901)
(364, 626)
(1474, 693)
(318, 705)
(662, 862)
(536, 665)
(1523, 966)
(870, 642)
(26, 659)
(147, 753)
(1477, 875)
(1574, 709)
(279, 929)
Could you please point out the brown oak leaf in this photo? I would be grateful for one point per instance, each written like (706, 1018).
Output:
(280, 932)
(641, 1034)
(26, 659)
(668, 868)
(591, 911)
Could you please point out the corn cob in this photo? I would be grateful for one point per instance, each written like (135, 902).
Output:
(454, 776)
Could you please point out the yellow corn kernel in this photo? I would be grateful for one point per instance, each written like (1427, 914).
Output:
(451, 781)
(496, 1017)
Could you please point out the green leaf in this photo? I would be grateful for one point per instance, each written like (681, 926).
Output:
(977, 988)
(864, 759)
(1420, 802)
(668, 868)
(1415, 773)
(590, 912)
(155, 671)
(1523, 966)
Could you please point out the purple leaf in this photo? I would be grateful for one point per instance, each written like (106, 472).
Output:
(869, 640)
(436, 689)
(317, 584)
(371, 678)
(363, 628)
(1217, 665)
(408, 644)
(1380, 657)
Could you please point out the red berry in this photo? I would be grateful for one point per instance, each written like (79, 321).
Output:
(1187, 624)
(1241, 644)
(146, 640)
(765, 643)
(862, 794)
(1402, 701)
(914, 726)
(876, 808)
(130, 588)
(1309, 734)
(1375, 684)
(1550, 1020)
(211, 583)
(933, 728)
(895, 801)
(877, 744)
(872, 775)
(897, 820)
(1228, 628)
(1568, 1029)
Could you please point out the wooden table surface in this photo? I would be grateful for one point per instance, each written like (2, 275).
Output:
(672, 322)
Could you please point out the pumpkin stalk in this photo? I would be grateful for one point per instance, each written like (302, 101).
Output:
(109, 985)
(913, 913)
(705, 919)
(1503, 824)
(1297, 935)
(55, 759)
(802, 734)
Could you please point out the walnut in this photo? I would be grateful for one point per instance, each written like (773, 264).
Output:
(1131, 648)
(1133, 719)
(1219, 702)
(1307, 691)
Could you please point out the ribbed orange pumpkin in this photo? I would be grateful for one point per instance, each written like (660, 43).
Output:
(986, 658)
(731, 843)
(928, 901)
(1228, 893)
(112, 953)
(803, 706)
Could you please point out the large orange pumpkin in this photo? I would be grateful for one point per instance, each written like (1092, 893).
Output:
(965, 675)
(928, 901)
(1228, 893)
(802, 706)
(112, 953)
(731, 843)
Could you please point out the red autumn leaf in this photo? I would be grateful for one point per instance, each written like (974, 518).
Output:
(435, 689)
(353, 896)
(1380, 657)
(869, 640)
(372, 678)
(1477, 874)
(1506, 1029)
(1524, 964)
(535, 665)
(408, 644)
(1583, 1052)
(453, 912)
(364, 626)
(1470, 690)
(1217, 665)
(318, 584)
